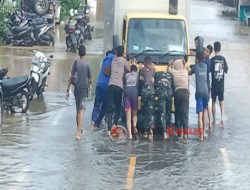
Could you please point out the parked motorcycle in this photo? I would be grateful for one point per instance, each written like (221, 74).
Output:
(19, 36)
(3, 73)
(78, 29)
(43, 34)
(83, 22)
(71, 40)
(40, 69)
(15, 92)
(26, 29)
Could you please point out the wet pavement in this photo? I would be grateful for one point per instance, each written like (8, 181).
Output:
(38, 149)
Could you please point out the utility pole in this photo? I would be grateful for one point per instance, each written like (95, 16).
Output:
(109, 16)
(100, 10)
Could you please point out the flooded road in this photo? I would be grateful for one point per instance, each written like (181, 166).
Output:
(38, 149)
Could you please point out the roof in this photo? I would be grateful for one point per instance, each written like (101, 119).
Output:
(155, 15)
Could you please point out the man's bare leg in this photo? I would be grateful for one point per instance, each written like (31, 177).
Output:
(135, 119)
(210, 115)
(200, 125)
(92, 126)
(214, 111)
(150, 134)
(185, 139)
(204, 122)
(79, 121)
(128, 118)
(222, 113)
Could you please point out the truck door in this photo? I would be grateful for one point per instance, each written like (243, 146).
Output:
(124, 32)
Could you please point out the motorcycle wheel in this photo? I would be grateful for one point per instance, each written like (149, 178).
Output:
(23, 102)
(42, 88)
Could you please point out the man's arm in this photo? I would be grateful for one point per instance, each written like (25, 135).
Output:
(68, 87)
(107, 71)
(106, 66)
(192, 71)
(171, 67)
(226, 67)
(89, 76)
(69, 83)
(127, 66)
(72, 73)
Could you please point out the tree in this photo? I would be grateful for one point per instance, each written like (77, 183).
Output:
(71, 4)
(5, 10)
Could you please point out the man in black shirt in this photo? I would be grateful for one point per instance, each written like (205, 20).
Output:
(218, 69)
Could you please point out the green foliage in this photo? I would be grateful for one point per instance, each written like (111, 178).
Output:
(70, 4)
(5, 10)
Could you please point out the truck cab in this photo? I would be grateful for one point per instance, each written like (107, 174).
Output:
(161, 36)
(158, 29)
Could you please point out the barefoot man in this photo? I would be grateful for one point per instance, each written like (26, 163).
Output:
(218, 69)
(80, 77)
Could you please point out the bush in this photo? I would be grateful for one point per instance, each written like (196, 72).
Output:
(5, 10)
(70, 4)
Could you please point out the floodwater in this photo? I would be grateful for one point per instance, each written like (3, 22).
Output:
(38, 149)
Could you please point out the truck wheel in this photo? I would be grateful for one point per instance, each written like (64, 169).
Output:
(41, 6)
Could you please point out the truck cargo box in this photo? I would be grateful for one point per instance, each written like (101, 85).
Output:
(122, 7)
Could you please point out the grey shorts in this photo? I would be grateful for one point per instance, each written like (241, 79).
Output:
(81, 97)
(80, 103)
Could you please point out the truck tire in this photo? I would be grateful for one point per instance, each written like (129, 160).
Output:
(41, 6)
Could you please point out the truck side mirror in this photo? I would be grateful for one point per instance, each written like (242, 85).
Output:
(173, 7)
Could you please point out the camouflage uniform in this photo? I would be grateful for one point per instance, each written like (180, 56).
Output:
(148, 106)
(164, 92)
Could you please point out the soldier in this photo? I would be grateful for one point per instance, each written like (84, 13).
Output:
(147, 74)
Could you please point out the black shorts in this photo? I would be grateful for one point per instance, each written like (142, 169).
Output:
(220, 95)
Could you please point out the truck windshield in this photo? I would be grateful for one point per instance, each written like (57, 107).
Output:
(164, 35)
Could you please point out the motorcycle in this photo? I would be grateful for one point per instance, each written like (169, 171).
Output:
(15, 93)
(19, 36)
(42, 34)
(3, 73)
(71, 40)
(40, 69)
(83, 22)
(28, 29)
(78, 30)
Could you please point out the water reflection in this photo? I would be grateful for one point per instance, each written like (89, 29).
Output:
(59, 72)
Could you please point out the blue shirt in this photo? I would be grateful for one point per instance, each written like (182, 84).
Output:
(103, 79)
(200, 71)
(208, 63)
